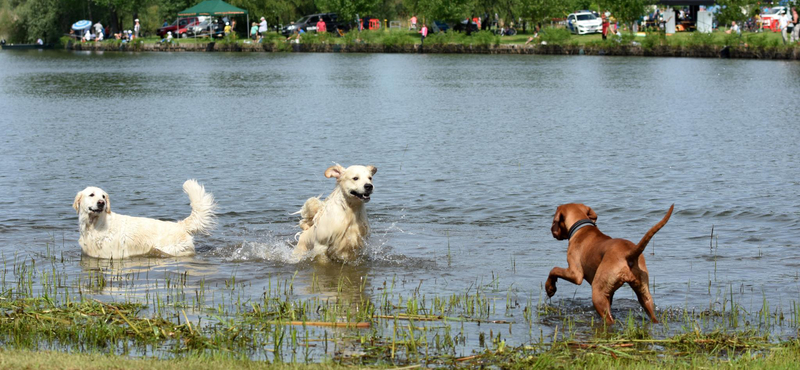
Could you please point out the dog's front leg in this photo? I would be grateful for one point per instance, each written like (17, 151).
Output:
(573, 274)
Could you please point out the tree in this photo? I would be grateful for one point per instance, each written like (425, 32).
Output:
(346, 10)
(735, 10)
(626, 11)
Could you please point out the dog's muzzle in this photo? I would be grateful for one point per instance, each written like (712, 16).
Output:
(365, 195)
(98, 208)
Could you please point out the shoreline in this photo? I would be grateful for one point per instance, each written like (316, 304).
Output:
(698, 51)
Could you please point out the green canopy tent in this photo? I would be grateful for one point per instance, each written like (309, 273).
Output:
(215, 8)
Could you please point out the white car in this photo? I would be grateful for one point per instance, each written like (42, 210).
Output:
(583, 23)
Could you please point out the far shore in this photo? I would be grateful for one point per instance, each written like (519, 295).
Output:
(693, 51)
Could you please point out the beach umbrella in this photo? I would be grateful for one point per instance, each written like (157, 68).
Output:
(81, 25)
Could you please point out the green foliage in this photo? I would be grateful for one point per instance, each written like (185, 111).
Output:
(555, 36)
(281, 45)
(64, 41)
(700, 39)
(444, 38)
(346, 10)
(735, 10)
(762, 40)
(446, 10)
(626, 11)
(653, 39)
(485, 38)
(397, 38)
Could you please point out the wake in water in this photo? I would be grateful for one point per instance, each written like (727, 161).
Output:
(280, 249)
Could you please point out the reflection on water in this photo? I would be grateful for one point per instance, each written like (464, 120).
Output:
(476, 152)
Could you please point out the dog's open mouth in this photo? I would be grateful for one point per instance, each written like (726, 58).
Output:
(96, 209)
(362, 196)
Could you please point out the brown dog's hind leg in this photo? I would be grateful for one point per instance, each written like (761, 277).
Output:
(602, 303)
(642, 290)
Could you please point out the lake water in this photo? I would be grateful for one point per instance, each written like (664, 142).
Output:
(474, 153)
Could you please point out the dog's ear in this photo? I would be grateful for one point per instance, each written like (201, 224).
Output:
(334, 171)
(108, 204)
(372, 169)
(591, 214)
(77, 203)
(557, 229)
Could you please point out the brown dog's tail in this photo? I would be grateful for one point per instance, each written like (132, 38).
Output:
(649, 235)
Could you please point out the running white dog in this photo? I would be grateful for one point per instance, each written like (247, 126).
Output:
(105, 234)
(336, 228)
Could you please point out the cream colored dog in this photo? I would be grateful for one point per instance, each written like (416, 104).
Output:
(105, 234)
(336, 228)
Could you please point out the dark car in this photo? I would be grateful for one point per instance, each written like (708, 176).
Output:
(439, 26)
(309, 23)
(462, 26)
(180, 24)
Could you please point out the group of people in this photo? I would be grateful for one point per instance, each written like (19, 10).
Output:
(100, 33)
(258, 30)
(786, 21)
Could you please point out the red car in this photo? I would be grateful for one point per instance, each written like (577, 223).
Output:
(184, 24)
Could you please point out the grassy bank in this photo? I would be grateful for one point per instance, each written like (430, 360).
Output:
(682, 352)
(340, 316)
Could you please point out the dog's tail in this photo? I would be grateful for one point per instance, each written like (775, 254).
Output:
(202, 218)
(649, 235)
(310, 209)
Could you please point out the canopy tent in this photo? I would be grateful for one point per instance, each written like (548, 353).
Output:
(215, 8)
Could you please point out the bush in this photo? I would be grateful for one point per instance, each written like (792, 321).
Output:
(281, 45)
(762, 40)
(653, 39)
(445, 38)
(485, 38)
(555, 36)
(397, 38)
(700, 39)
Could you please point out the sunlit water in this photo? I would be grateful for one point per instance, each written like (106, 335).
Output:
(474, 153)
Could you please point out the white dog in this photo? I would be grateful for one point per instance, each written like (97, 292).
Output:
(336, 228)
(105, 234)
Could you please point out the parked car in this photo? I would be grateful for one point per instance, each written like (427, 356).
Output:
(180, 25)
(439, 26)
(583, 23)
(462, 26)
(208, 27)
(309, 23)
(769, 18)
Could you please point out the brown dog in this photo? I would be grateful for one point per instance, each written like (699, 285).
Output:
(604, 262)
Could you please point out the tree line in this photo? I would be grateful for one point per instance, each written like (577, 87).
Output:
(28, 20)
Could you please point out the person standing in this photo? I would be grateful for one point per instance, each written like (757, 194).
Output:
(233, 28)
(321, 28)
(98, 29)
(136, 28)
(227, 29)
(796, 29)
(254, 31)
(262, 27)
(412, 22)
(783, 24)
(424, 33)
(605, 25)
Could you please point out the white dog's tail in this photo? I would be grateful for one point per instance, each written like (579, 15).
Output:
(202, 218)
(310, 209)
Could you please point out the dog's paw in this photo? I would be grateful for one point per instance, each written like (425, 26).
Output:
(550, 288)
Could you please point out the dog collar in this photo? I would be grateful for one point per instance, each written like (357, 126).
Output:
(578, 225)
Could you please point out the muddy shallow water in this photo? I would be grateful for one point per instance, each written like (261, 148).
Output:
(474, 153)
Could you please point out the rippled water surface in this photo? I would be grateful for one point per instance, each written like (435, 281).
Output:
(474, 153)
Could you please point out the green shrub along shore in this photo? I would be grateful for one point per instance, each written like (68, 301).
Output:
(762, 45)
